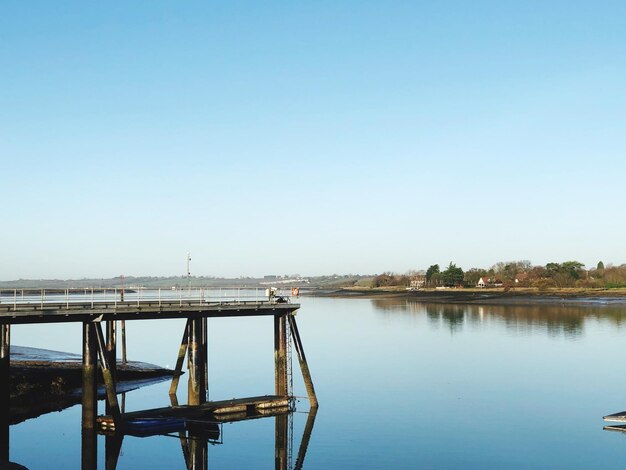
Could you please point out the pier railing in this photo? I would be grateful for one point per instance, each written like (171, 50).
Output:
(138, 295)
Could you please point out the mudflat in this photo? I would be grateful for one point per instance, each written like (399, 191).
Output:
(44, 381)
(514, 296)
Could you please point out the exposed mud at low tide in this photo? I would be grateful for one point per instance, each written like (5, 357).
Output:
(43, 381)
(487, 297)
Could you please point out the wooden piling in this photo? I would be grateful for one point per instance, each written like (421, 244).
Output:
(5, 389)
(280, 355)
(196, 389)
(198, 453)
(123, 326)
(89, 399)
(182, 352)
(109, 380)
(111, 352)
(281, 442)
(205, 353)
(304, 367)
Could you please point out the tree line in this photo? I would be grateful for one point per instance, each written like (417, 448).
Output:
(512, 274)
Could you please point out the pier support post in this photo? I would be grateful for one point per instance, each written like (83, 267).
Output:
(109, 382)
(111, 352)
(178, 370)
(280, 355)
(198, 453)
(304, 366)
(90, 397)
(281, 436)
(123, 326)
(205, 354)
(196, 388)
(5, 389)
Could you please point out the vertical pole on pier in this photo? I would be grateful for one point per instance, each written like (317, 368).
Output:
(90, 398)
(205, 353)
(111, 352)
(123, 325)
(281, 436)
(5, 389)
(280, 355)
(304, 366)
(196, 388)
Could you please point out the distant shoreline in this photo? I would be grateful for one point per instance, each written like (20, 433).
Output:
(519, 296)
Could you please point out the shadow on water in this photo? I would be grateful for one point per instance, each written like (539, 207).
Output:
(556, 320)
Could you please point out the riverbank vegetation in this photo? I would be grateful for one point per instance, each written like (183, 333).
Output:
(511, 274)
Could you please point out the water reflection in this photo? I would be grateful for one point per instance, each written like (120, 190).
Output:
(556, 320)
(32, 405)
(450, 315)
(195, 438)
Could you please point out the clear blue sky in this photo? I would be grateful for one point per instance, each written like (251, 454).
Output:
(309, 137)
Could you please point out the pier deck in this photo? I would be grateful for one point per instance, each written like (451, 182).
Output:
(55, 312)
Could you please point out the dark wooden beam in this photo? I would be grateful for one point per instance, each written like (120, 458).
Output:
(5, 390)
(196, 384)
(90, 399)
(304, 366)
(280, 355)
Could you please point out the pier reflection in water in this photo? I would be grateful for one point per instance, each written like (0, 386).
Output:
(195, 439)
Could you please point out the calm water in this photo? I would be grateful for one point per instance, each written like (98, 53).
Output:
(400, 385)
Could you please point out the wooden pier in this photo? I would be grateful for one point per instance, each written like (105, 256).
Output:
(100, 352)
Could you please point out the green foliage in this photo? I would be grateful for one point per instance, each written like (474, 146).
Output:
(565, 274)
(431, 271)
(452, 276)
(600, 266)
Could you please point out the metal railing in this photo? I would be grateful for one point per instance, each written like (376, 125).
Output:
(137, 295)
